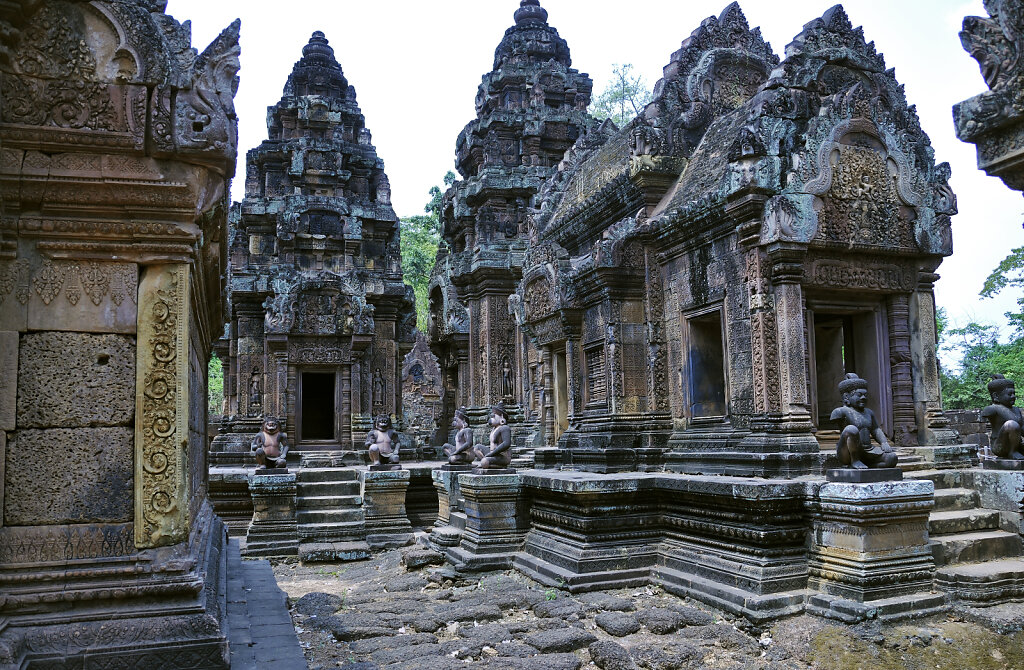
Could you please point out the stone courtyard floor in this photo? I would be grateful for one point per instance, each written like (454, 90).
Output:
(401, 611)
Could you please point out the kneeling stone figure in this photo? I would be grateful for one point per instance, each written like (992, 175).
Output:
(859, 425)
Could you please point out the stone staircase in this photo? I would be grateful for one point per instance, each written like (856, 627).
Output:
(978, 563)
(330, 515)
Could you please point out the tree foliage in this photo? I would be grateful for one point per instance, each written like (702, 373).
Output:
(421, 236)
(1009, 273)
(623, 98)
(215, 381)
(976, 347)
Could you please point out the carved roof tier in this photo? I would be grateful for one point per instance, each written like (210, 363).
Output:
(729, 120)
(318, 202)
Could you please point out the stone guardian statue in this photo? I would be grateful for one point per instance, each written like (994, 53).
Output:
(270, 446)
(382, 443)
(461, 453)
(859, 425)
(499, 454)
(1004, 419)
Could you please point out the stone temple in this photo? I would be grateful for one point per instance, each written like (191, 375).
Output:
(659, 319)
(320, 316)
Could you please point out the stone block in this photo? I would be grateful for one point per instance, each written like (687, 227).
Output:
(387, 523)
(71, 380)
(83, 296)
(863, 476)
(63, 475)
(3, 461)
(493, 515)
(869, 545)
(273, 531)
(9, 379)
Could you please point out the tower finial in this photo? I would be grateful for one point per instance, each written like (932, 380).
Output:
(530, 10)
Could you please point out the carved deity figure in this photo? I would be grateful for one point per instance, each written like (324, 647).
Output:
(1004, 419)
(506, 379)
(382, 442)
(499, 453)
(378, 388)
(859, 425)
(255, 392)
(270, 446)
(462, 451)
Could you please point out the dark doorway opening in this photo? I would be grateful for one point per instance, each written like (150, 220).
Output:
(854, 341)
(317, 409)
(706, 369)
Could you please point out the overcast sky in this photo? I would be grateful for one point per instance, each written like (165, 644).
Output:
(416, 65)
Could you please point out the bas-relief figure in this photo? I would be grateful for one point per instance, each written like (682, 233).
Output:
(382, 444)
(1004, 418)
(859, 425)
(498, 454)
(270, 446)
(461, 453)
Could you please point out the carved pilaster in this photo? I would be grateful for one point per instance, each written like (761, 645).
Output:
(904, 421)
(933, 426)
(161, 408)
(787, 273)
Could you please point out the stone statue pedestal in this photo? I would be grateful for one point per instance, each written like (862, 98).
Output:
(451, 519)
(869, 555)
(993, 463)
(384, 467)
(383, 492)
(448, 467)
(263, 472)
(273, 531)
(493, 512)
(493, 471)
(861, 476)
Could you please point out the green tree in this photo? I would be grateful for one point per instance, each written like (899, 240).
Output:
(215, 381)
(421, 236)
(623, 98)
(1009, 273)
(976, 347)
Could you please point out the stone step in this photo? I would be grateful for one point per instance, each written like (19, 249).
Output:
(983, 584)
(975, 546)
(962, 521)
(317, 489)
(313, 516)
(943, 479)
(956, 499)
(327, 502)
(309, 475)
(333, 532)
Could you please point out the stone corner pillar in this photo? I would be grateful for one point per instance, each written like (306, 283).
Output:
(387, 523)
(273, 531)
(493, 505)
(869, 555)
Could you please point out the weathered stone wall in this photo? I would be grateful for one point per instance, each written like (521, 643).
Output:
(106, 325)
(972, 428)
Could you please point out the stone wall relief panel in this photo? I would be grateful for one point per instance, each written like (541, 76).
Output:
(763, 334)
(502, 372)
(38, 293)
(862, 206)
(162, 421)
(657, 356)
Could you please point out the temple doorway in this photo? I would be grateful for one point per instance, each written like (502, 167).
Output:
(848, 340)
(316, 407)
(561, 394)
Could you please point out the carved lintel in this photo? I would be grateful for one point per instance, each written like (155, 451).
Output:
(161, 407)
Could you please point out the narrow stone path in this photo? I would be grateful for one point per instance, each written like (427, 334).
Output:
(261, 632)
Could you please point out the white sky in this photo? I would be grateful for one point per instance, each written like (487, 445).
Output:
(416, 65)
